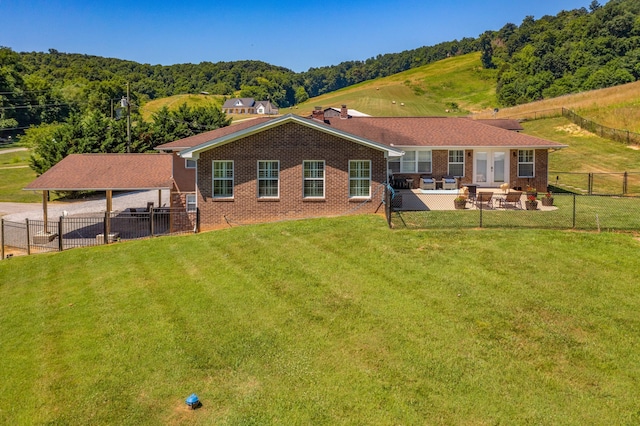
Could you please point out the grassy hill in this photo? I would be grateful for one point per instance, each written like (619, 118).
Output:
(173, 102)
(431, 90)
(347, 322)
(427, 90)
(616, 107)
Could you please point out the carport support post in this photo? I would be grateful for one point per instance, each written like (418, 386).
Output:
(159, 197)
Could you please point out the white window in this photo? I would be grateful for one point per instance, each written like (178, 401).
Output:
(424, 161)
(456, 162)
(411, 162)
(222, 179)
(191, 203)
(526, 163)
(408, 164)
(359, 178)
(268, 179)
(189, 164)
(394, 164)
(313, 179)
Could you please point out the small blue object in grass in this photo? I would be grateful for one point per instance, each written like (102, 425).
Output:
(193, 401)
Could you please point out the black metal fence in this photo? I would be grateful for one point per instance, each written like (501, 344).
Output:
(569, 211)
(38, 236)
(618, 135)
(618, 183)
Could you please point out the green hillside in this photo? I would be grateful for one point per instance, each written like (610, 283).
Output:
(424, 91)
(173, 102)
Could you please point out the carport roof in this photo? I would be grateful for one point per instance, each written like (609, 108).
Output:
(102, 172)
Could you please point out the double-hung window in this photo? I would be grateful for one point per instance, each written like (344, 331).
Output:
(359, 178)
(526, 163)
(313, 179)
(222, 172)
(456, 162)
(424, 161)
(268, 179)
(411, 162)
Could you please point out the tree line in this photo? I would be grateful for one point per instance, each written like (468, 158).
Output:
(574, 51)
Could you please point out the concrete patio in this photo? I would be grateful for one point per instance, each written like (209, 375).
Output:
(431, 200)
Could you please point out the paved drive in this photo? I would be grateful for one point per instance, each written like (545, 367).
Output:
(18, 212)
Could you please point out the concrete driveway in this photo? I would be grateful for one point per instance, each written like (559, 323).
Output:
(18, 212)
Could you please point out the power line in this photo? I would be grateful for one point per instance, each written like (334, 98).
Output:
(23, 91)
(33, 106)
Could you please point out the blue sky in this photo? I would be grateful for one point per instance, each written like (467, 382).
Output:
(296, 35)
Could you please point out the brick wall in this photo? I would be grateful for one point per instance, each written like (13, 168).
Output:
(291, 144)
(181, 222)
(540, 181)
(185, 179)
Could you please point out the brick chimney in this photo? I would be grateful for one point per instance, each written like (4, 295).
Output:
(318, 114)
(343, 113)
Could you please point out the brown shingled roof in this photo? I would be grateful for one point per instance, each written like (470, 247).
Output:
(503, 123)
(437, 132)
(101, 172)
(201, 138)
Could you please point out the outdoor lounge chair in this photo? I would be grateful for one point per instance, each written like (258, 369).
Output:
(472, 193)
(512, 199)
(449, 182)
(427, 182)
(484, 200)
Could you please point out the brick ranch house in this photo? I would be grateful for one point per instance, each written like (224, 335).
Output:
(293, 167)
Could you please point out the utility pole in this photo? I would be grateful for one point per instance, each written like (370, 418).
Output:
(124, 102)
(128, 120)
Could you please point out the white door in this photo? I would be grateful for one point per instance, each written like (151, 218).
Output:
(490, 167)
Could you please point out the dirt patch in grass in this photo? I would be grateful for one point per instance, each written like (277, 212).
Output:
(573, 130)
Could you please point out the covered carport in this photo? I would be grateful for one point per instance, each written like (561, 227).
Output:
(105, 173)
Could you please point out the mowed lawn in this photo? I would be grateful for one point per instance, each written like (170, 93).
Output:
(326, 321)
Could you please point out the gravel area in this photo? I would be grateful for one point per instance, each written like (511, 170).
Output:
(18, 212)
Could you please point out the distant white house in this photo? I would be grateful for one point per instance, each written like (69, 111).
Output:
(248, 106)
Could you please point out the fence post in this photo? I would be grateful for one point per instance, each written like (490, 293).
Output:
(624, 183)
(28, 237)
(387, 208)
(107, 228)
(151, 217)
(480, 215)
(60, 245)
(574, 211)
(1, 239)
(590, 184)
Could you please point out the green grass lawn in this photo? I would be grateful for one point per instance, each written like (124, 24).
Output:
(15, 175)
(327, 321)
